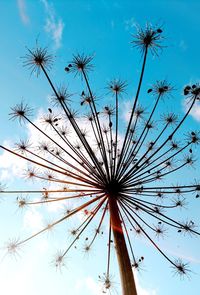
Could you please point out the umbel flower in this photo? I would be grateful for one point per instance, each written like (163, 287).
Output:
(111, 178)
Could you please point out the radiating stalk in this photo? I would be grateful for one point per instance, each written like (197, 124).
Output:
(126, 273)
(132, 112)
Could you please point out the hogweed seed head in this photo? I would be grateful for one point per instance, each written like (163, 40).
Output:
(38, 58)
(149, 37)
(103, 177)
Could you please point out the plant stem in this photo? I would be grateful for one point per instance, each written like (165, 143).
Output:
(126, 273)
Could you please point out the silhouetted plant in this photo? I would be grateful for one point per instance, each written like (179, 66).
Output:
(115, 177)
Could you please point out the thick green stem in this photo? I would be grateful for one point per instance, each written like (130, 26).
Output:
(126, 273)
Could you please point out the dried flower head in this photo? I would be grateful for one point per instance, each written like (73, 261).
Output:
(181, 268)
(170, 118)
(192, 91)
(13, 247)
(21, 111)
(149, 37)
(61, 96)
(37, 59)
(22, 202)
(117, 86)
(58, 261)
(23, 146)
(162, 88)
(81, 64)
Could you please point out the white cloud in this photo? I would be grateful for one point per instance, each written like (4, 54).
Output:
(140, 289)
(22, 11)
(127, 105)
(20, 277)
(88, 283)
(56, 206)
(18, 283)
(95, 287)
(130, 24)
(195, 112)
(33, 220)
(53, 25)
(43, 245)
(10, 165)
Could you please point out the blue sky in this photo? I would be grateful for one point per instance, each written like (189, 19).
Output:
(101, 28)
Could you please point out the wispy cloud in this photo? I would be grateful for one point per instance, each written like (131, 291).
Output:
(112, 24)
(182, 45)
(22, 11)
(53, 25)
(130, 23)
(188, 257)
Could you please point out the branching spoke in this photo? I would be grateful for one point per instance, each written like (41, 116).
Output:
(145, 233)
(84, 225)
(133, 110)
(74, 211)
